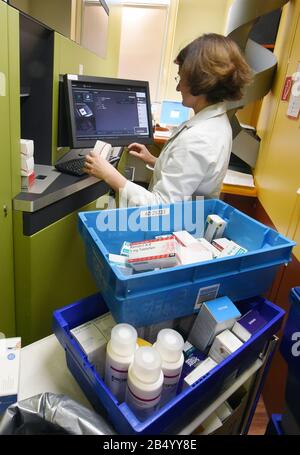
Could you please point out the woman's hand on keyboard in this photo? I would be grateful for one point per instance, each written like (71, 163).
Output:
(96, 166)
(99, 167)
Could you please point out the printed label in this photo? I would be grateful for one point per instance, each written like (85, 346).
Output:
(287, 89)
(154, 212)
(205, 294)
(143, 408)
(73, 77)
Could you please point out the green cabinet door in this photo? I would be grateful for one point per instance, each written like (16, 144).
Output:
(7, 316)
(50, 272)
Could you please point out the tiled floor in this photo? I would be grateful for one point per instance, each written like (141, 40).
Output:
(260, 420)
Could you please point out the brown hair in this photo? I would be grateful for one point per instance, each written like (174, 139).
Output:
(213, 65)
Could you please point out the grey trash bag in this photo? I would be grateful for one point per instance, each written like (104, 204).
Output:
(48, 413)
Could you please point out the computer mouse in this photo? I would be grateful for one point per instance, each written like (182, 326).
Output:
(103, 148)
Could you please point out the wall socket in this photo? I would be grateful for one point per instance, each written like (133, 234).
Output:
(80, 69)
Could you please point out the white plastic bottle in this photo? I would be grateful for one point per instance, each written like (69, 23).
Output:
(170, 344)
(119, 355)
(145, 381)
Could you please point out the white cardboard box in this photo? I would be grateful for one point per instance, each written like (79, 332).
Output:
(10, 349)
(224, 344)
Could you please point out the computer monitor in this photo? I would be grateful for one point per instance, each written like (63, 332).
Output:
(173, 113)
(117, 111)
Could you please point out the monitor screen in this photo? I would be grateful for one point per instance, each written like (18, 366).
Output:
(117, 111)
(173, 113)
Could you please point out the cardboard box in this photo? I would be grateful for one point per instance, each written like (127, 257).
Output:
(184, 238)
(224, 344)
(214, 316)
(209, 246)
(194, 253)
(10, 349)
(93, 344)
(151, 254)
(150, 332)
(250, 323)
(201, 369)
(121, 262)
(27, 147)
(93, 337)
(214, 227)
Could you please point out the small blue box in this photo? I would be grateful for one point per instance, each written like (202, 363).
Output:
(182, 408)
(151, 297)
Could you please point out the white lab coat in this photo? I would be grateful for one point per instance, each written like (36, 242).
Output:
(192, 163)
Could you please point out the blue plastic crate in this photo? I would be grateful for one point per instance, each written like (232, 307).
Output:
(151, 297)
(290, 343)
(188, 403)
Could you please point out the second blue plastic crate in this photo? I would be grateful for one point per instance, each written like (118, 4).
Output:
(151, 297)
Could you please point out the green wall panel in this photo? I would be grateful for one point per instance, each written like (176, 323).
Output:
(14, 93)
(50, 272)
(7, 317)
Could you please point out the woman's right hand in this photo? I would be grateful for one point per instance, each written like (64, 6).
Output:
(141, 152)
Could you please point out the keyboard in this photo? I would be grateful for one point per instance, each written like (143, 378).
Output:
(73, 167)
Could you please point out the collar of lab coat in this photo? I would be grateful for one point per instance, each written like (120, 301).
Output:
(208, 112)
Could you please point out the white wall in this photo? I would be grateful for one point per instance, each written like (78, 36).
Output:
(142, 44)
(94, 29)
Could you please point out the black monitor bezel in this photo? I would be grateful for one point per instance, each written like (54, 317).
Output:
(119, 141)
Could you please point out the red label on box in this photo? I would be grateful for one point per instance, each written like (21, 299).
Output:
(287, 89)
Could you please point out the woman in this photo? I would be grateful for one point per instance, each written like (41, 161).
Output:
(195, 159)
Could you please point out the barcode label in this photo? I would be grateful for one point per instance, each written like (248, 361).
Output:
(155, 212)
(205, 294)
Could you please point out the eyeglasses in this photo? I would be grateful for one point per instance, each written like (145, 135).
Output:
(177, 79)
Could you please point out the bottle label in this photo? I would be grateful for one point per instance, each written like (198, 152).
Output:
(169, 388)
(116, 380)
(142, 407)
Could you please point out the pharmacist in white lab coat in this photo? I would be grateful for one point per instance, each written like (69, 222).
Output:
(195, 159)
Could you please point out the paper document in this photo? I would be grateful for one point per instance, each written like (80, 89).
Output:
(238, 178)
(165, 134)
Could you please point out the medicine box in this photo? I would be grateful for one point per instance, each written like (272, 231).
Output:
(93, 337)
(191, 401)
(224, 345)
(214, 316)
(214, 227)
(247, 325)
(10, 349)
(153, 296)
